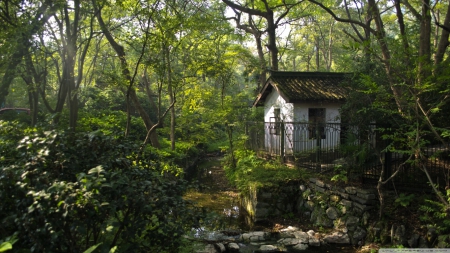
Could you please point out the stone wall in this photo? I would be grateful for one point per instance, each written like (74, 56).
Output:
(345, 209)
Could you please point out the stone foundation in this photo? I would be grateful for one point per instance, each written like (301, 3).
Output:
(344, 209)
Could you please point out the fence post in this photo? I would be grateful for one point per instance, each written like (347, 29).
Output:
(282, 136)
(318, 146)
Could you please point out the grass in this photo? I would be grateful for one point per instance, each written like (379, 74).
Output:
(254, 172)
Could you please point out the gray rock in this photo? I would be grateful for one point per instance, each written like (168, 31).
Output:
(361, 208)
(288, 232)
(350, 190)
(320, 218)
(267, 248)
(302, 188)
(359, 235)
(431, 235)
(339, 224)
(365, 218)
(346, 203)
(300, 247)
(365, 191)
(310, 205)
(332, 213)
(413, 242)
(254, 236)
(337, 237)
(233, 247)
(320, 189)
(398, 235)
(261, 213)
(335, 198)
(351, 223)
(302, 236)
(289, 229)
(423, 243)
(362, 201)
(320, 183)
(289, 241)
(313, 240)
(369, 196)
(220, 247)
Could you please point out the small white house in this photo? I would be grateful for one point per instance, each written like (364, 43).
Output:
(302, 106)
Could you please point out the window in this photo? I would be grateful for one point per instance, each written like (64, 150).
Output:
(275, 122)
(316, 123)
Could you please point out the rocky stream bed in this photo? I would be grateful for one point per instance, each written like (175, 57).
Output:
(226, 229)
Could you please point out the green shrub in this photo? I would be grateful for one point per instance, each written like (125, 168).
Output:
(67, 192)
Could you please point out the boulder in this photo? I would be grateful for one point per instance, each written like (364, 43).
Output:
(337, 237)
(302, 236)
(267, 248)
(289, 241)
(332, 213)
(254, 236)
(233, 247)
(359, 235)
(220, 247)
(351, 223)
(300, 247)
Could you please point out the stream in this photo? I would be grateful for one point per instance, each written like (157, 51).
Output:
(213, 192)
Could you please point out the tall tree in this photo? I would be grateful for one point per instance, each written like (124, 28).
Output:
(126, 73)
(21, 29)
(274, 12)
(418, 83)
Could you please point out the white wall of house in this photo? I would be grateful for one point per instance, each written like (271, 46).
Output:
(297, 137)
(331, 111)
(274, 100)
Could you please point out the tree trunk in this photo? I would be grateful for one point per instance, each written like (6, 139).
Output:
(44, 12)
(172, 98)
(126, 73)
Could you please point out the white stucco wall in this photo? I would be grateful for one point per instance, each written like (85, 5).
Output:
(331, 111)
(296, 135)
(274, 100)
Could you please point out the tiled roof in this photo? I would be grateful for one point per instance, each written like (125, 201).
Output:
(304, 86)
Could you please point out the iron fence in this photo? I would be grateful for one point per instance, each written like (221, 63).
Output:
(359, 149)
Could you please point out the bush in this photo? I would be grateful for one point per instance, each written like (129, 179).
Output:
(67, 192)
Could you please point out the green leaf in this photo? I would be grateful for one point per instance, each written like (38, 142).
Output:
(97, 170)
(91, 249)
(113, 249)
(5, 246)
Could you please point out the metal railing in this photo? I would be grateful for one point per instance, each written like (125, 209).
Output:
(324, 146)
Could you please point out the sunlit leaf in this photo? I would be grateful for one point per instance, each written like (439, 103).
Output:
(92, 249)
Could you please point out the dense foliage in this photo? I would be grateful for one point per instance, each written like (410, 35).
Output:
(66, 192)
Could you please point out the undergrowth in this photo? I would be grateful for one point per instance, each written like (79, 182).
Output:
(252, 171)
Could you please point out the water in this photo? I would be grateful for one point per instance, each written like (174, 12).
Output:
(213, 193)
(225, 220)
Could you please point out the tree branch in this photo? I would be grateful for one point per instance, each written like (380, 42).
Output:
(351, 21)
